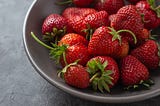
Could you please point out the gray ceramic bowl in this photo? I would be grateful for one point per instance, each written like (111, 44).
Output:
(39, 57)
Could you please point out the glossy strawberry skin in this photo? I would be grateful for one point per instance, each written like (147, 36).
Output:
(151, 20)
(111, 6)
(82, 3)
(147, 53)
(71, 39)
(132, 71)
(76, 52)
(101, 43)
(54, 21)
(112, 65)
(128, 18)
(77, 76)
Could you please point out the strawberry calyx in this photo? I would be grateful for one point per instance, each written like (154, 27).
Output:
(54, 35)
(116, 34)
(100, 78)
(152, 4)
(55, 51)
(61, 73)
(141, 85)
(89, 32)
(65, 2)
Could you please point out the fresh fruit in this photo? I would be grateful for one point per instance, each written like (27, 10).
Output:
(86, 25)
(73, 39)
(54, 26)
(128, 18)
(106, 41)
(111, 6)
(150, 14)
(75, 75)
(67, 54)
(104, 72)
(70, 12)
(133, 72)
(78, 3)
(133, 1)
(111, 17)
(147, 53)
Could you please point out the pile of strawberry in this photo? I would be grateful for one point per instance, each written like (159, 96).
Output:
(102, 43)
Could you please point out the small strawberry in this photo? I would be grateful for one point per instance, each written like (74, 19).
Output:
(72, 39)
(128, 18)
(67, 54)
(150, 14)
(133, 72)
(107, 41)
(75, 75)
(78, 3)
(54, 26)
(147, 53)
(70, 12)
(111, 6)
(104, 72)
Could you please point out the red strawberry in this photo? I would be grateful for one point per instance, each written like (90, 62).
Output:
(86, 25)
(150, 14)
(133, 1)
(70, 12)
(128, 18)
(104, 72)
(72, 39)
(147, 53)
(54, 26)
(111, 6)
(67, 54)
(75, 75)
(78, 3)
(111, 17)
(133, 72)
(106, 41)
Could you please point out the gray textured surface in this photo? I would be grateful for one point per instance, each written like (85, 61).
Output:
(20, 85)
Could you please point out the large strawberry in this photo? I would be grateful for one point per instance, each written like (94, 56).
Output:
(150, 14)
(67, 54)
(147, 53)
(73, 39)
(128, 18)
(133, 72)
(107, 41)
(75, 75)
(78, 3)
(104, 72)
(54, 26)
(111, 6)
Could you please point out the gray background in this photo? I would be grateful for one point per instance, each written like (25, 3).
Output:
(20, 85)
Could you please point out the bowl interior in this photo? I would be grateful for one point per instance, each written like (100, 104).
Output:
(39, 57)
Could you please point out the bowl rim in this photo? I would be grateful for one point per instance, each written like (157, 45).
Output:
(76, 93)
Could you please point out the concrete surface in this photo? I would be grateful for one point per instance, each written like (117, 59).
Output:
(20, 85)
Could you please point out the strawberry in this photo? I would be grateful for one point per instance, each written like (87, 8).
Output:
(78, 3)
(54, 26)
(147, 53)
(133, 72)
(107, 41)
(150, 14)
(133, 1)
(104, 72)
(111, 17)
(70, 12)
(72, 39)
(85, 26)
(128, 18)
(67, 54)
(111, 6)
(75, 75)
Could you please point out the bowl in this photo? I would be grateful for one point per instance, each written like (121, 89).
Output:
(46, 67)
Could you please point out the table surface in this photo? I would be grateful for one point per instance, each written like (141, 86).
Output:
(20, 84)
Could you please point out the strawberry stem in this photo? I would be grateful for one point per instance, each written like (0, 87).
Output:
(40, 42)
(94, 76)
(65, 2)
(64, 58)
(133, 35)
